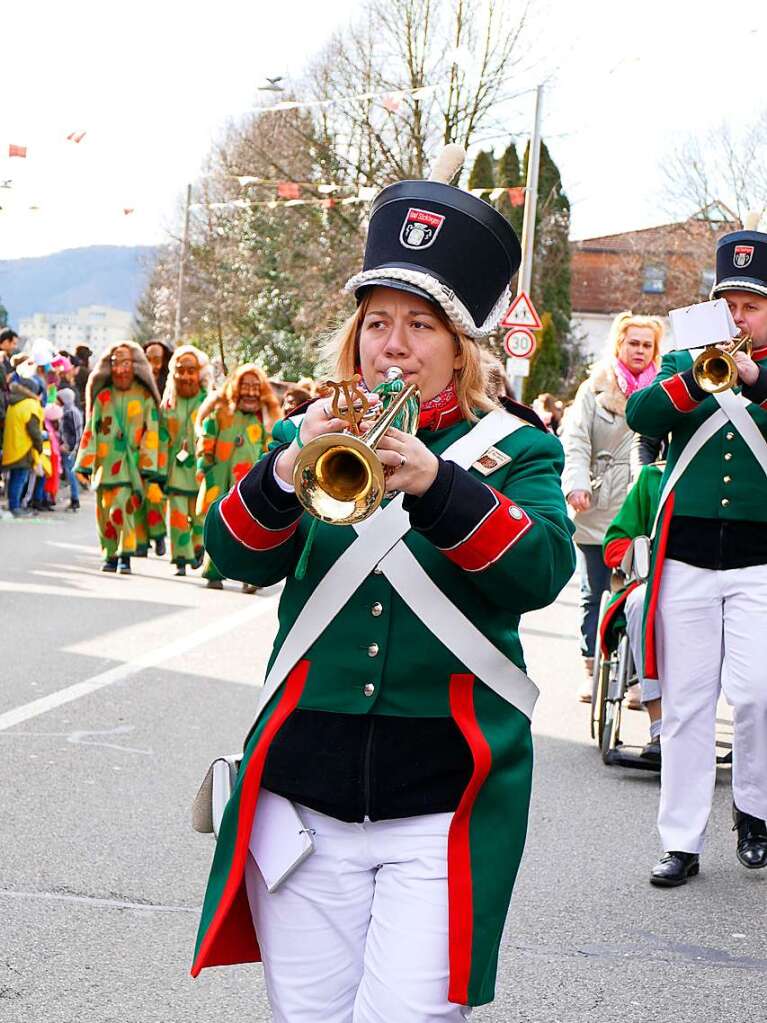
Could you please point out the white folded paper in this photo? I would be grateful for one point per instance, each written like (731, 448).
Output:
(707, 323)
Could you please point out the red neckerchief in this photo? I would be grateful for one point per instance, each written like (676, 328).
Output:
(759, 354)
(441, 411)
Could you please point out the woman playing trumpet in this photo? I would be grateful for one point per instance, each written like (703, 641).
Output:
(405, 752)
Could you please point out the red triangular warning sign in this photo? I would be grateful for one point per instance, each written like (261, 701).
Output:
(521, 313)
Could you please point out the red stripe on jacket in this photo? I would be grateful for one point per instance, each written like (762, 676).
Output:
(230, 937)
(650, 652)
(606, 624)
(459, 876)
(676, 388)
(246, 529)
(614, 551)
(499, 530)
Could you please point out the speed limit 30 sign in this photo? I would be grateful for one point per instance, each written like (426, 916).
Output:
(519, 343)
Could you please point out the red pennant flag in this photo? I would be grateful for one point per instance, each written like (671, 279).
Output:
(517, 195)
(17, 151)
(288, 190)
(76, 136)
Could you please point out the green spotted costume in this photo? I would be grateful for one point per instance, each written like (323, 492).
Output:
(118, 451)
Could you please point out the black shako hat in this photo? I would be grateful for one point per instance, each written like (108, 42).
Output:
(741, 263)
(447, 246)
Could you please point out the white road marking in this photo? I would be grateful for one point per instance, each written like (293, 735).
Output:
(179, 647)
(101, 903)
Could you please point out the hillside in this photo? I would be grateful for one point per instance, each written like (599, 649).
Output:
(110, 275)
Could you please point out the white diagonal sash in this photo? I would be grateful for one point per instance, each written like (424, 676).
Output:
(732, 407)
(376, 537)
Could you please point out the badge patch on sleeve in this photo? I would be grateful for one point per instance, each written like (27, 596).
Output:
(492, 460)
(420, 228)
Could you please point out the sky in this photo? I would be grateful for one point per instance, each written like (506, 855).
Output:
(153, 84)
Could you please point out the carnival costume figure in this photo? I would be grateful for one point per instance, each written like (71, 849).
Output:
(118, 450)
(190, 378)
(152, 516)
(707, 591)
(396, 711)
(234, 430)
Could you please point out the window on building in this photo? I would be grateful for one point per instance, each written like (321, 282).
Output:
(654, 280)
(707, 279)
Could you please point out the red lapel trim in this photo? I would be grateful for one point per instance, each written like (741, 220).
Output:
(459, 875)
(230, 937)
(610, 613)
(650, 652)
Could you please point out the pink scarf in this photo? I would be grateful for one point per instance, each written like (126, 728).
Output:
(628, 381)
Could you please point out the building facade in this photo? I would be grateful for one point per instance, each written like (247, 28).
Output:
(96, 326)
(649, 272)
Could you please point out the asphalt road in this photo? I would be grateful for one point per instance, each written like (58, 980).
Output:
(117, 692)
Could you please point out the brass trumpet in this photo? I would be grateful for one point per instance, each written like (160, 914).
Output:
(338, 477)
(715, 370)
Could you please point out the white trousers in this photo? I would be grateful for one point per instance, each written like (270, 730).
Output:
(634, 609)
(359, 932)
(710, 626)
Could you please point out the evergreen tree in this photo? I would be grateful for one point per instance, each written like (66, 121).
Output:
(483, 172)
(546, 369)
(3, 316)
(551, 267)
(509, 175)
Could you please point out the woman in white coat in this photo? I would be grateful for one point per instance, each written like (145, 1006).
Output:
(597, 443)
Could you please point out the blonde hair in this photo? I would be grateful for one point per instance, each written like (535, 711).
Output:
(341, 357)
(227, 398)
(620, 327)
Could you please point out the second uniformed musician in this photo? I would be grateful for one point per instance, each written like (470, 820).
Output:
(407, 755)
(707, 596)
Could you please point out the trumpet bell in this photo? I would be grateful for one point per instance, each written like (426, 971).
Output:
(339, 482)
(715, 372)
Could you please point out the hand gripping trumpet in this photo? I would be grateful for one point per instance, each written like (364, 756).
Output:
(715, 370)
(339, 478)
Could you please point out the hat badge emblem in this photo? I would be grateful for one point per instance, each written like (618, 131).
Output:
(742, 256)
(420, 228)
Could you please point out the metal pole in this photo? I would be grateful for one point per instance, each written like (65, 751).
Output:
(181, 265)
(525, 276)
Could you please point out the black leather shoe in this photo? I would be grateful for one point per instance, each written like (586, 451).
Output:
(752, 839)
(181, 568)
(110, 565)
(651, 751)
(123, 565)
(673, 869)
(159, 547)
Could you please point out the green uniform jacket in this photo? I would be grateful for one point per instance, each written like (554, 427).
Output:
(515, 559)
(635, 518)
(177, 435)
(120, 441)
(723, 481)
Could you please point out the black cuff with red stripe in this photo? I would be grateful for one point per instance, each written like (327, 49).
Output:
(264, 498)
(757, 392)
(470, 522)
(696, 392)
(451, 507)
